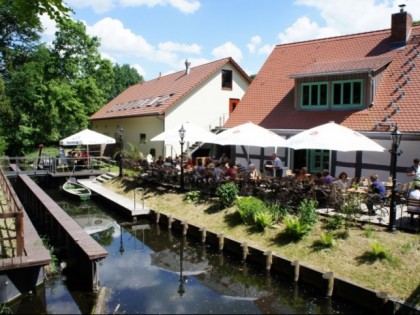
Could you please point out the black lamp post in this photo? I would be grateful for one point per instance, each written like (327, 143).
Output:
(121, 250)
(182, 280)
(120, 132)
(396, 139)
(181, 136)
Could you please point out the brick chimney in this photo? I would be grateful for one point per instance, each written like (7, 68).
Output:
(401, 26)
(187, 66)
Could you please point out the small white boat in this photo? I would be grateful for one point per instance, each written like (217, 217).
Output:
(73, 188)
(93, 224)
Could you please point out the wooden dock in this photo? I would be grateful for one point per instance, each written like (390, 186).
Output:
(133, 207)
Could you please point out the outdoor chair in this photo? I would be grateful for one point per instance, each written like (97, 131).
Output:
(413, 208)
(380, 205)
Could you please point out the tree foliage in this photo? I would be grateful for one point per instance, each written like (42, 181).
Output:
(125, 76)
(17, 40)
(27, 11)
(49, 92)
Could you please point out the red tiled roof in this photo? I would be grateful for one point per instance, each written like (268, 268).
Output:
(156, 96)
(346, 66)
(269, 100)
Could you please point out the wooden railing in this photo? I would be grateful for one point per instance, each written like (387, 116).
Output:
(11, 220)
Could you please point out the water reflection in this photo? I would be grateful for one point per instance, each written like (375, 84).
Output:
(151, 270)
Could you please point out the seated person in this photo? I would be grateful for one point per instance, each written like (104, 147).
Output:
(159, 161)
(253, 174)
(189, 165)
(200, 171)
(328, 179)
(319, 179)
(414, 194)
(302, 174)
(168, 162)
(210, 163)
(377, 193)
(231, 172)
(241, 169)
(219, 172)
(341, 183)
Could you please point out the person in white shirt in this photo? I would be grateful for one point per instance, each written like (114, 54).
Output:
(277, 165)
(415, 194)
(414, 172)
(341, 183)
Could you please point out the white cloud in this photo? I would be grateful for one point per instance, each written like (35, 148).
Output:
(305, 29)
(266, 49)
(338, 18)
(98, 6)
(49, 26)
(252, 45)
(139, 69)
(115, 38)
(185, 6)
(171, 46)
(228, 49)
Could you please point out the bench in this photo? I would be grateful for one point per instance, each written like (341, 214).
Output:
(413, 208)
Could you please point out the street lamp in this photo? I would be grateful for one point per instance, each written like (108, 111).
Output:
(121, 250)
(181, 136)
(396, 139)
(120, 132)
(182, 279)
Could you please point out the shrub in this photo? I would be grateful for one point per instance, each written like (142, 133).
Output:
(263, 219)
(227, 193)
(192, 196)
(369, 231)
(307, 213)
(334, 222)
(379, 251)
(295, 228)
(328, 240)
(278, 211)
(248, 206)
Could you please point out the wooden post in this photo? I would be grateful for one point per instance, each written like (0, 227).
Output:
(221, 241)
(269, 259)
(20, 234)
(185, 227)
(203, 234)
(329, 277)
(245, 250)
(170, 219)
(295, 264)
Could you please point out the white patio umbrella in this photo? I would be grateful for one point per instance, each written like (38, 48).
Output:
(249, 134)
(87, 137)
(193, 133)
(331, 136)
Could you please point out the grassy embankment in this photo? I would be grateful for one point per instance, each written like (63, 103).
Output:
(352, 259)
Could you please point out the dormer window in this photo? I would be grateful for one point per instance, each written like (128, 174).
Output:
(314, 95)
(346, 84)
(347, 93)
(227, 79)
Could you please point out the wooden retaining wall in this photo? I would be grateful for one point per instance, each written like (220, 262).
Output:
(80, 250)
(327, 283)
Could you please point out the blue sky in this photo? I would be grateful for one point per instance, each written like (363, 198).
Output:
(157, 36)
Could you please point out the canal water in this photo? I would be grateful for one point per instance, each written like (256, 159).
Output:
(151, 270)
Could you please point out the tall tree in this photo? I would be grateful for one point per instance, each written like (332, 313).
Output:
(27, 11)
(16, 39)
(125, 76)
(79, 64)
(28, 119)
